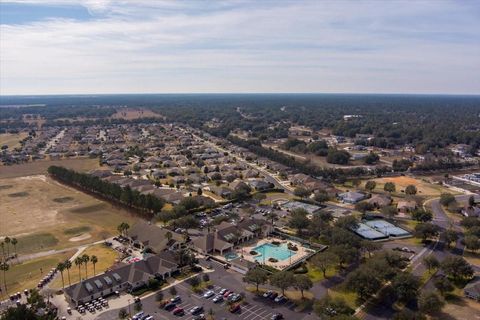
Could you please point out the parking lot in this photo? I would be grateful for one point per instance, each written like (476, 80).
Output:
(252, 307)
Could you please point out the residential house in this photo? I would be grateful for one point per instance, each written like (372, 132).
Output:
(352, 197)
(472, 289)
(380, 200)
(148, 236)
(406, 206)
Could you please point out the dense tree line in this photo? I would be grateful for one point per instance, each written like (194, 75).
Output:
(304, 167)
(427, 122)
(147, 205)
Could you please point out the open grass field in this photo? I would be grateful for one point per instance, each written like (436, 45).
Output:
(27, 274)
(106, 258)
(132, 114)
(41, 166)
(44, 214)
(12, 140)
(424, 188)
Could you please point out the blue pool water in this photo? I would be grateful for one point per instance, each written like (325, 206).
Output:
(231, 256)
(268, 250)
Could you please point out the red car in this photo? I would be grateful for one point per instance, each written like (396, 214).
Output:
(178, 312)
(234, 308)
(227, 293)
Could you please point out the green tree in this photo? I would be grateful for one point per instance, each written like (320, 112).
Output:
(85, 260)
(389, 187)
(282, 280)
(446, 199)
(430, 302)
(68, 265)
(426, 231)
(346, 254)
(389, 211)
(431, 262)
(4, 267)
(94, 261)
(61, 268)
(256, 276)
(173, 291)
(405, 286)
(79, 262)
(450, 236)
(159, 296)
(371, 158)
(302, 283)
(14, 244)
(422, 215)
(298, 220)
(411, 190)
(329, 307)
(370, 185)
(456, 267)
(472, 242)
(122, 313)
(324, 260)
(7, 242)
(301, 192)
(471, 201)
(363, 282)
(443, 284)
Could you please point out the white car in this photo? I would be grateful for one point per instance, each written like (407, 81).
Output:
(208, 294)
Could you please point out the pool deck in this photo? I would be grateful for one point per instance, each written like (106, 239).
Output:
(282, 264)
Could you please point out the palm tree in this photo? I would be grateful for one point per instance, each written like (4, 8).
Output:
(94, 260)
(61, 267)
(4, 267)
(120, 228)
(7, 241)
(169, 236)
(14, 243)
(85, 259)
(78, 262)
(126, 226)
(68, 265)
(2, 244)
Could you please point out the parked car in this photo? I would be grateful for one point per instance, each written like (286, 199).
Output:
(208, 294)
(199, 317)
(218, 298)
(234, 308)
(277, 316)
(175, 299)
(196, 310)
(273, 295)
(170, 306)
(280, 299)
(267, 294)
(178, 312)
(222, 292)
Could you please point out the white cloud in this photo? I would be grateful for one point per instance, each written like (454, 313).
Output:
(233, 46)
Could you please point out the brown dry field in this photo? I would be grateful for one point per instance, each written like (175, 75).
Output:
(424, 188)
(41, 166)
(44, 214)
(12, 140)
(132, 114)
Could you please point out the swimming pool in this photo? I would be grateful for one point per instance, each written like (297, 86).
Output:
(268, 250)
(231, 256)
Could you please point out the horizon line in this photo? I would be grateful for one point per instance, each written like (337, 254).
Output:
(240, 93)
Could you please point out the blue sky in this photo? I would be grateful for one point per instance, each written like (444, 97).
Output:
(160, 46)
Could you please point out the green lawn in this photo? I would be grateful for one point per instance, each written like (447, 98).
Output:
(36, 242)
(317, 275)
(349, 296)
(27, 275)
